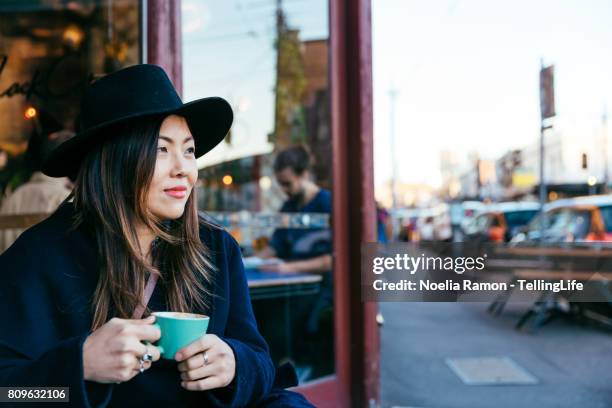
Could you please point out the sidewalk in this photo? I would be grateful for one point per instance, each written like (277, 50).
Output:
(573, 364)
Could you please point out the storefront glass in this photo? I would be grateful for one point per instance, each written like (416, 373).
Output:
(49, 51)
(270, 61)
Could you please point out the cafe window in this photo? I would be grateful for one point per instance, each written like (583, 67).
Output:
(270, 61)
(49, 51)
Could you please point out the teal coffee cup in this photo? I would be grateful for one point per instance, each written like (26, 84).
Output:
(178, 330)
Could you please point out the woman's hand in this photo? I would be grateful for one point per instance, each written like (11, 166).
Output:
(112, 353)
(206, 363)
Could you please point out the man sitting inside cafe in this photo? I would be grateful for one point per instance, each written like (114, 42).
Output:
(300, 249)
(305, 250)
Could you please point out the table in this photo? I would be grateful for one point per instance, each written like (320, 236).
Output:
(268, 284)
(545, 308)
(554, 257)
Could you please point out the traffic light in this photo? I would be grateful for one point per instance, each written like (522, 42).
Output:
(585, 161)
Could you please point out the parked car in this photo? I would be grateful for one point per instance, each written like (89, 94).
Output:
(580, 219)
(500, 222)
(461, 214)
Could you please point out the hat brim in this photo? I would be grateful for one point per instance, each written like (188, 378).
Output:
(209, 120)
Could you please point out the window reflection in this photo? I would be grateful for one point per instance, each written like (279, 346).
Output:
(269, 183)
(49, 51)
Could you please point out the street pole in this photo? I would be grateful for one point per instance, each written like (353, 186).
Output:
(547, 111)
(542, 181)
(542, 185)
(392, 98)
(604, 119)
(280, 23)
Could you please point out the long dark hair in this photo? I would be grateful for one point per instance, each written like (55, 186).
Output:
(110, 197)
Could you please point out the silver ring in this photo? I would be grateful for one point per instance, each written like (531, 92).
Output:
(146, 357)
(205, 358)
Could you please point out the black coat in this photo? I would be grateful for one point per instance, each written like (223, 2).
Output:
(47, 280)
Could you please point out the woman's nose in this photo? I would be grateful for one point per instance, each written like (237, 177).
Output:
(179, 164)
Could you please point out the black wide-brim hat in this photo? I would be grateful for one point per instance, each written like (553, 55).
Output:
(135, 92)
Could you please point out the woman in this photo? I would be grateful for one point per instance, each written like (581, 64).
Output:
(76, 286)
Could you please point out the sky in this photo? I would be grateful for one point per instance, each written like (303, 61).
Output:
(228, 52)
(466, 75)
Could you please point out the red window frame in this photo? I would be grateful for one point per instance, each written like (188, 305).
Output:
(357, 374)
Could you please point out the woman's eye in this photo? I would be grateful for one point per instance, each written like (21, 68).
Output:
(162, 149)
(191, 150)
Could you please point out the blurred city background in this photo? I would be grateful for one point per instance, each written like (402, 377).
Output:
(470, 97)
(458, 115)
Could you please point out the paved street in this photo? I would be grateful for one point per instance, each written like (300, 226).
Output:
(573, 364)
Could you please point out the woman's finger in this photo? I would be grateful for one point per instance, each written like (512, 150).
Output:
(197, 361)
(194, 362)
(146, 365)
(201, 372)
(148, 348)
(144, 349)
(202, 344)
(125, 345)
(131, 345)
(154, 351)
(146, 320)
(207, 383)
(146, 332)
